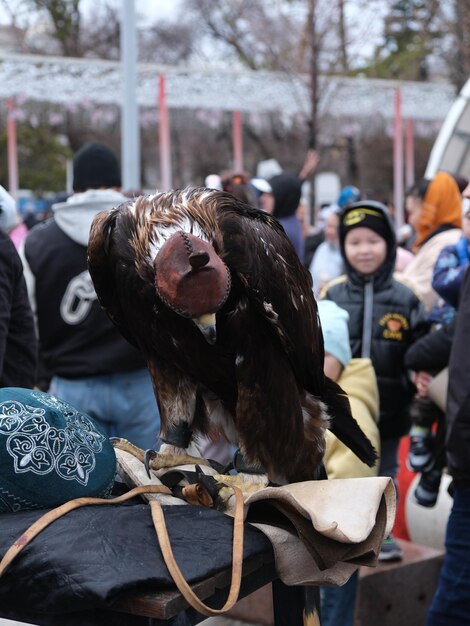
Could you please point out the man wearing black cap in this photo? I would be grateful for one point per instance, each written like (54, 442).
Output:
(89, 363)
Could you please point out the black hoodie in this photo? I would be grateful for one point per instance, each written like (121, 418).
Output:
(18, 343)
(458, 396)
(385, 317)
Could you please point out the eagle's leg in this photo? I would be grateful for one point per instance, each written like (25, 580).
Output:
(177, 397)
(161, 460)
(154, 460)
(176, 449)
(127, 446)
(178, 442)
(247, 473)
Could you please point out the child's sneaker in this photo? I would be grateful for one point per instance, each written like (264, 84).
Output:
(421, 454)
(427, 489)
(390, 550)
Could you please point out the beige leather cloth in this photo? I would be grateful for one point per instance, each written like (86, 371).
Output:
(335, 526)
(321, 531)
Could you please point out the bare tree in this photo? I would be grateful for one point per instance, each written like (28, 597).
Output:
(259, 35)
(99, 36)
(170, 43)
(412, 31)
(314, 54)
(459, 59)
(343, 46)
(65, 19)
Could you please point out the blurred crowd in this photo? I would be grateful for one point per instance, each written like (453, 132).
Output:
(388, 301)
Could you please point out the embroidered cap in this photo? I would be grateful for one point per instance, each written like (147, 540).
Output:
(50, 452)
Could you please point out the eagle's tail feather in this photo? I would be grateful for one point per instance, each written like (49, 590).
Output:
(344, 426)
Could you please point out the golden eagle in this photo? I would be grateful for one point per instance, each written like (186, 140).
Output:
(213, 294)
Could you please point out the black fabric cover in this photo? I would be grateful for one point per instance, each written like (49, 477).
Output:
(85, 559)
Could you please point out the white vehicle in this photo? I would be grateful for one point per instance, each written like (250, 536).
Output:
(451, 150)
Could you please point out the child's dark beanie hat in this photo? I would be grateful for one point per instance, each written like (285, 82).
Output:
(95, 166)
(366, 214)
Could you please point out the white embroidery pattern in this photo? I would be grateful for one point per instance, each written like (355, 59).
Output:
(40, 448)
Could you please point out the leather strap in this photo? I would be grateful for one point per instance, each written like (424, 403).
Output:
(180, 582)
(197, 494)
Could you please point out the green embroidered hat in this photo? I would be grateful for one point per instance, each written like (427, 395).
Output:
(50, 452)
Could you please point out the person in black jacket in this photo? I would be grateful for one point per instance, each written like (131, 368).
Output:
(451, 603)
(89, 363)
(385, 317)
(18, 344)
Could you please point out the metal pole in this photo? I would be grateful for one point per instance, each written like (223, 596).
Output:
(398, 189)
(12, 149)
(237, 141)
(409, 154)
(164, 128)
(69, 176)
(130, 133)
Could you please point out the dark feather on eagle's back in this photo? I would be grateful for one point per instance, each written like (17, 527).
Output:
(265, 371)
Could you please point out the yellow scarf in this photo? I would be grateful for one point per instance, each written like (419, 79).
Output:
(442, 204)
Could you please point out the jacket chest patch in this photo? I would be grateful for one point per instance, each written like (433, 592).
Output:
(394, 324)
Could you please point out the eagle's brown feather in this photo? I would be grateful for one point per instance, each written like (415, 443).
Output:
(263, 378)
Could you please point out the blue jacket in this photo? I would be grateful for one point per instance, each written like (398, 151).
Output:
(450, 269)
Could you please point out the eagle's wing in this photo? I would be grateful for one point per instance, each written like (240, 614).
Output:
(267, 268)
(259, 254)
(128, 301)
(101, 265)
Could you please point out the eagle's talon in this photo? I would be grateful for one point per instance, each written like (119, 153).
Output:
(149, 455)
(209, 483)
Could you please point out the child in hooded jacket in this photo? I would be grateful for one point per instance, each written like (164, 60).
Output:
(385, 317)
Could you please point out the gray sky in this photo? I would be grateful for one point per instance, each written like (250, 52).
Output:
(151, 8)
(154, 9)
